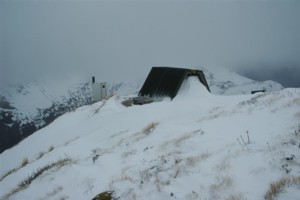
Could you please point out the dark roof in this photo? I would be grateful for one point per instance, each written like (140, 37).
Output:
(166, 81)
(256, 91)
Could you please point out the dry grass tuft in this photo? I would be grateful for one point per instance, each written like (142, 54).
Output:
(193, 160)
(128, 153)
(52, 193)
(278, 186)
(297, 131)
(150, 127)
(275, 188)
(102, 105)
(144, 133)
(223, 165)
(235, 197)
(177, 141)
(24, 162)
(145, 175)
(7, 174)
(41, 154)
(25, 183)
(51, 148)
(223, 183)
(122, 178)
(160, 183)
(39, 171)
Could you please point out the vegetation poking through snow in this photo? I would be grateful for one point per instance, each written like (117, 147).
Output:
(25, 183)
(103, 103)
(178, 140)
(194, 160)
(235, 197)
(41, 154)
(141, 134)
(51, 148)
(150, 128)
(58, 164)
(128, 153)
(97, 152)
(297, 131)
(223, 183)
(24, 162)
(56, 190)
(7, 174)
(278, 186)
(101, 106)
(244, 142)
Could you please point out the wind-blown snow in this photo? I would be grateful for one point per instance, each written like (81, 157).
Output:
(194, 147)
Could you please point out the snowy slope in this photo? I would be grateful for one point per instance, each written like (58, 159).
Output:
(198, 146)
(29, 107)
(31, 98)
(26, 108)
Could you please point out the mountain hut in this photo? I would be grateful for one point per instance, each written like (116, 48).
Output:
(166, 81)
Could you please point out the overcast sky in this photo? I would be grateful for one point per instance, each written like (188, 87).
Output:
(121, 40)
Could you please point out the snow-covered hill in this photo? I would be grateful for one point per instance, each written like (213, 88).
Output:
(26, 108)
(222, 81)
(198, 146)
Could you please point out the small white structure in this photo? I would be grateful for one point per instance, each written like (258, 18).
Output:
(99, 91)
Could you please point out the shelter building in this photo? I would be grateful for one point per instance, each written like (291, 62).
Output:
(166, 81)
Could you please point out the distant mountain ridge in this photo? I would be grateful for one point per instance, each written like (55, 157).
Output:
(26, 108)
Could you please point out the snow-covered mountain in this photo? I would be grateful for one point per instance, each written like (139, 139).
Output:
(198, 146)
(26, 108)
(224, 82)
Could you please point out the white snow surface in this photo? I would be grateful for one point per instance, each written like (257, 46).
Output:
(198, 146)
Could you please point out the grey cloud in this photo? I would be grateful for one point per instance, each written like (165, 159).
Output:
(121, 40)
(288, 75)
